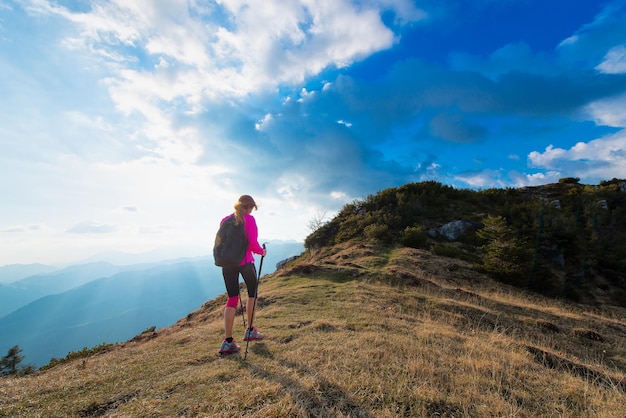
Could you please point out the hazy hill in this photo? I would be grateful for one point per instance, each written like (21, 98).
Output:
(356, 329)
(31, 288)
(26, 288)
(110, 309)
(14, 272)
(12, 298)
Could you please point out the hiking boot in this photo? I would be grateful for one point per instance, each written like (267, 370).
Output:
(252, 335)
(229, 348)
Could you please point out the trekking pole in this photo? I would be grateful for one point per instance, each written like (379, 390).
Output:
(256, 292)
(243, 317)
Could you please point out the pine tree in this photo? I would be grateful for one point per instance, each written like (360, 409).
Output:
(10, 365)
(504, 253)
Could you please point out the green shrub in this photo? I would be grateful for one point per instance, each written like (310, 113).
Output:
(323, 236)
(85, 352)
(446, 251)
(414, 237)
(377, 231)
(349, 228)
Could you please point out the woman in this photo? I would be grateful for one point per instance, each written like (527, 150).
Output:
(247, 269)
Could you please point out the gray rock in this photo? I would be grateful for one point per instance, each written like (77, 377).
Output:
(453, 230)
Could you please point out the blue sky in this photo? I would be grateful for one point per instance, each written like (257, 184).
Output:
(134, 125)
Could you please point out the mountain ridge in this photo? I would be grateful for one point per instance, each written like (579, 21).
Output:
(14, 272)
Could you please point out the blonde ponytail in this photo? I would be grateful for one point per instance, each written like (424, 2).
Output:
(244, 204)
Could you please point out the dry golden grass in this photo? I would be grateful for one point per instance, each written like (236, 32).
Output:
(353, 332)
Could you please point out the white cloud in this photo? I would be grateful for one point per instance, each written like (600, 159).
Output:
(243, 54)
(603, 158)
(485, 178)
(609, 111)
(546, 159)
(339, 195)
(614, 61)
(262, 123)
(168, 60)
(539, 178)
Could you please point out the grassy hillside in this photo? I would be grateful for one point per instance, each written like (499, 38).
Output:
(564, 240)
(357, 330)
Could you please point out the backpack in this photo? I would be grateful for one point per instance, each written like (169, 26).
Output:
(231, 243)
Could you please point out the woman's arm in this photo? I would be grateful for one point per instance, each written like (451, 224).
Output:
(252, 232)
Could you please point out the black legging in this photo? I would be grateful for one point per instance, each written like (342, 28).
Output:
(231, 279)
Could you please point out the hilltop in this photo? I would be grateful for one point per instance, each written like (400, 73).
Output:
(357, 329)
(564, 240)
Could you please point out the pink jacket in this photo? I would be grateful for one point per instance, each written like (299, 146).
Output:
(252, 233)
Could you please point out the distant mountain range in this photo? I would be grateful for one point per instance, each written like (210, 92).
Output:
(19, 293)
(15, 272)
(53, 313)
